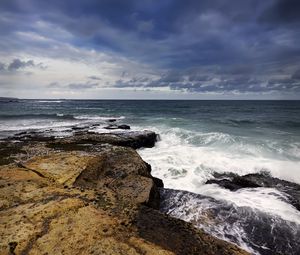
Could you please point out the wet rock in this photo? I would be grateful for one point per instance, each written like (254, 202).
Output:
(111, 120)
(235, 182)
(33, 136)
(9, 152)
(113, 126)
(79, 128)
(123, 126)
(181, 237)
(264, 233)
(135, 140)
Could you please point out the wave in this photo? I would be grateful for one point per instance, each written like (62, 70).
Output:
(257, 231)
(96, 117)
(38, 116)
(259, 123)
(186, 160)
(49, 101)
(242, 121)
(59, 116)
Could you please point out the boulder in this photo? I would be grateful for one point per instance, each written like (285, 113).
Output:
(235, 182)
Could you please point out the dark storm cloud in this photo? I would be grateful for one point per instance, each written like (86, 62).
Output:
(296, 75)
(17, 64)
(195, 82)
(208, 45)
(282, 11)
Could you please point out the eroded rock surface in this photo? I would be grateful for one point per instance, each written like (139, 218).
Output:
(31, 143)
(95, 199)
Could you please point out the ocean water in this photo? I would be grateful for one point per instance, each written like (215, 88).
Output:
(197, 139)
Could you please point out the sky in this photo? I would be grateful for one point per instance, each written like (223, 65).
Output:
(150, 49)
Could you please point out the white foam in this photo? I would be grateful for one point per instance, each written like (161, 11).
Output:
(182, 165)
(268, 200)
(49, 101)
(96, 117)
(29, 124)
(197, 163)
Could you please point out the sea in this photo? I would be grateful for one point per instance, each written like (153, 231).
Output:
(198, 139)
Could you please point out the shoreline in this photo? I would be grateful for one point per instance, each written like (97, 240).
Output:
(99, 174)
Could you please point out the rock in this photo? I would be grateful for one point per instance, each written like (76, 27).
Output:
(39, 216)
(9, 151)
(32, 136)
(256, 229)
(118, 168)
(135, 140)
(179, 236)
(123, 126)
(113, 126)
(111, 120)
(89, 194)
(79, 128)
(235, 182)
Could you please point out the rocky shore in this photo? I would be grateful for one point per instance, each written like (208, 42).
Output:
(259, 180)
(89, 193)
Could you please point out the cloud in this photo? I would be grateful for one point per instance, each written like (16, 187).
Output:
(224, 82)
(145, 26)
(2, 66)
(73, 86)
(87, 85)
(296, 75)
(282, 11)
(17, 64)
(197, 46)
(93, 77)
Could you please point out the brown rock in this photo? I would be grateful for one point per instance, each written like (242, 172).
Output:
(92, 203)
(120, 169)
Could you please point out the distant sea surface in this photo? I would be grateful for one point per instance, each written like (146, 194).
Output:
(197, 139)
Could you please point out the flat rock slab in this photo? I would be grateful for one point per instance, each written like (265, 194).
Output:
(133, 139)
(92, 202)
(40, 216)
(118, 168)
(63, 168)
